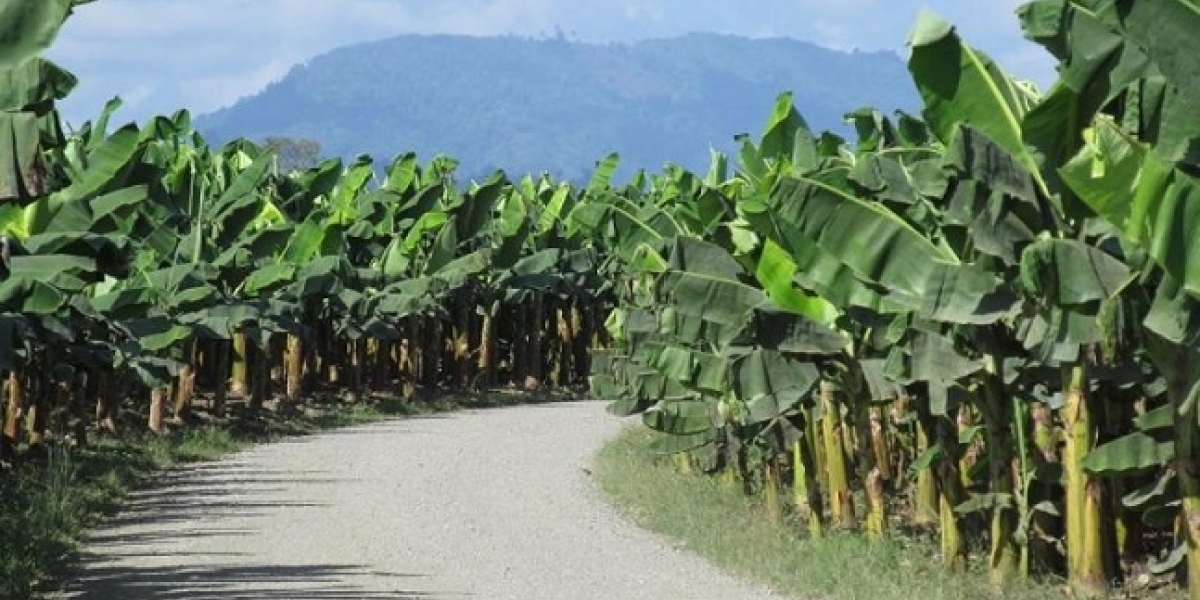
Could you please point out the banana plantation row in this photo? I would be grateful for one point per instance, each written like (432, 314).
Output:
(982, 321)
(160, 263)
(142, 263)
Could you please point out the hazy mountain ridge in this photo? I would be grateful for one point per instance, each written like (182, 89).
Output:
(556, 105)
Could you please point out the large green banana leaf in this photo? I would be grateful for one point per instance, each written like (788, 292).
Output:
(770, 383)
(23, 295)
(602, 176)
(776, 272)
(32, 84)
(786, 135)
(703, 280)
(884, 250)
(1150, 201)
(622, 224)
(23, 175)
(1166, 32)
(28, 125)
(960, 84)
(1064, 272)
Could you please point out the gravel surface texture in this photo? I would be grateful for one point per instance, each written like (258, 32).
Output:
(493, 504)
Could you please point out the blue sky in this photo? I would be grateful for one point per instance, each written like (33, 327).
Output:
(160, 55)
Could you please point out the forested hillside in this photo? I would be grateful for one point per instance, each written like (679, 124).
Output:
(555, 105)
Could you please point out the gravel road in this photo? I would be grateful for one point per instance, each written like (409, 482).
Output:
(493, 504)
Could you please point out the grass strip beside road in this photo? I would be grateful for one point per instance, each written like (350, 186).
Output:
(717, 521)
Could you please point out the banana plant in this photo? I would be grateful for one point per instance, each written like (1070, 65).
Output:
(1159, 194)
(61, 226)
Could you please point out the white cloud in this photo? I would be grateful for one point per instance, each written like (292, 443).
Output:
(219, 91)
(637, 11)
(138, 95)
(832, 35)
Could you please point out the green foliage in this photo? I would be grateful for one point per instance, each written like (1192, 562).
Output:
(962, 293)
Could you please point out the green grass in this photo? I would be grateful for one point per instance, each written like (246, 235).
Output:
(49, 503)
(720, 523)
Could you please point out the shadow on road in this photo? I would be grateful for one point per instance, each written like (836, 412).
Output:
(153, 549)
(232, 582)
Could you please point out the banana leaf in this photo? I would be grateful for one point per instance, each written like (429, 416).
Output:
(27, 27)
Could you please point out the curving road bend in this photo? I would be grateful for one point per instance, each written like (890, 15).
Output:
(492, 504)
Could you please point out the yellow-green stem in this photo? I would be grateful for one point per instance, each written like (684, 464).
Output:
(1084, 502)
(771, 499)
(841, 502)
(925, 500)
(158, 396)
(294, 373)
(240, 365)
(12, 416)
(683, 463)
(184, 392)
(1004, 557)
(876, 506)
(951, 493)
(1187, 457)
(806, 498)
(487, 349)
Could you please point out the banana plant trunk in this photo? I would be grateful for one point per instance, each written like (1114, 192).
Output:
(106, 400)
(568, 326)
(582, 335)
(841, 501)
(294, 370)
(405, 359)
(772, 488)
(358, 359)
(1004, 556)
(1129, 531)
(158, 400)
(38, 411)
(864, 420)
(184, 390)
(72, 394)
(925, 496)
(520, 346)
(221, 351)
(185, 385)
(416, 351)
(240, 365)
(1045, 440)
(383, 358)
(332, 359)
(536, 335)
(433, 355)
(1084, 493)
(951, 494)
(598, 340)
(15, 408)
(806, 490)
(258, 379)
(487, 348)
(877, 459)
(465, 334)
(1187, 455)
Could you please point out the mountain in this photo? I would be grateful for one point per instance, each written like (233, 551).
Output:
(555, 105)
